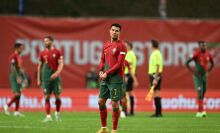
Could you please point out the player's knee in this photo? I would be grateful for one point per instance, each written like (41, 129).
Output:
(47, 98)
(115, 104)
(57, 96)
(101, 102)
(17, 94)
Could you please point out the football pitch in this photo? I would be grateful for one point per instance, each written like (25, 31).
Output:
(87, 122)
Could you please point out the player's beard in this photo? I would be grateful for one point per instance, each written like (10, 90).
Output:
(48, 46)
(203, 50)
(114, 38)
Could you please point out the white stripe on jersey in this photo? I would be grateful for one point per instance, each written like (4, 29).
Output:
(122, 53)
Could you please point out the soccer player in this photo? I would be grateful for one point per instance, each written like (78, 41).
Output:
(16, 79)
(48, 76)
(130, 80)
(202, 58)
(155, 72)
(111, 75)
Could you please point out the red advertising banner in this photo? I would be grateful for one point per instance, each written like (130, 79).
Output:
(81, 42)
(87, 100)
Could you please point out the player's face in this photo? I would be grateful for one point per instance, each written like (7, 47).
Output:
(203, 47)
(20, 49)
(47, 42)
(114, 33)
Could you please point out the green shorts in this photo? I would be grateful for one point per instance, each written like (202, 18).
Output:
(114, 91)
(50, 86)
(16, 88)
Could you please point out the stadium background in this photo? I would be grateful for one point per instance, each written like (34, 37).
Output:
(80, 28)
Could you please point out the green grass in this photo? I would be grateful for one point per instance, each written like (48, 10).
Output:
(84, 122)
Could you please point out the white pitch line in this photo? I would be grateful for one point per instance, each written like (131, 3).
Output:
(168, 130)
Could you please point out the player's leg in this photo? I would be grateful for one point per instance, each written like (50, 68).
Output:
(129, 88)
(157, 98)
(103, 96)
(46, 86)
(198, 83)
(116, 91)
(203, 89)
(15, 99)
(123, 107)
(123, 103)
(17, 105)
(57, 91)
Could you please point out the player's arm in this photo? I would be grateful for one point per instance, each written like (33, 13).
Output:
(14, 72)
(39, 66)
(15, 63)
(59, 69)
(156, 75)
(188, 66)
(101, 64)
(211, 65)
(119, 63)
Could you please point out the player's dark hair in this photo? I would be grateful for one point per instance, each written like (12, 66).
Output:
(50, 38)
(201, 42)
(17, 45)
(129, 44)
(117, 25)
(155, 43)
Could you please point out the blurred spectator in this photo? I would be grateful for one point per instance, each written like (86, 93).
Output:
(92, 78)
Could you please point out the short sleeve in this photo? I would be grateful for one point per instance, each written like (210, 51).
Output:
(195, 54)
(59, 54)
(13, 60)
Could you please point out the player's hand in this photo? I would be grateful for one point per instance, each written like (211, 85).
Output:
(38, 83)
(53, 76)
(135, 83)
(104, 75)
(100, 73)
(18, 80)
(155, 81)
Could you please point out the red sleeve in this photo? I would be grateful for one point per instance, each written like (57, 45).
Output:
(13, 59)
(210, 57)
(59, 54)
(195, 54)
(41, 58)
(121, 58)
(102, 62)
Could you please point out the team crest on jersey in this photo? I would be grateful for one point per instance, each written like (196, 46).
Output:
(113, 50)
(54, 55)
(208, 58)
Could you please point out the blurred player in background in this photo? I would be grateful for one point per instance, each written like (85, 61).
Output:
(17, 80)
(202, 58)
(48, 76)
(155, 72)
(111, 75)
(130, 80)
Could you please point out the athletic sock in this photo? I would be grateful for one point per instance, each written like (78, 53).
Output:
(47, 106)
(157, 102)
(132, 104)
(17, 103)
(124, 106)
(115, 117)
(58, 104)
(200, 108)
(11, 101)
(103, 115)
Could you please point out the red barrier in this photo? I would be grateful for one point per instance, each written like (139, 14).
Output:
(81, 42)
(86, 100)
